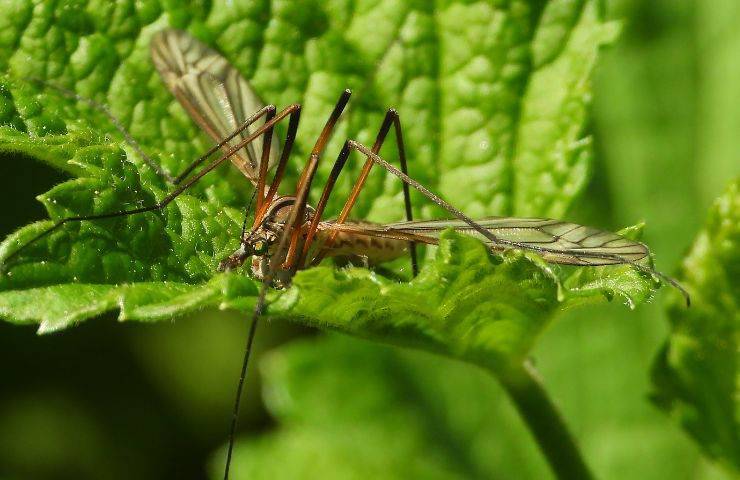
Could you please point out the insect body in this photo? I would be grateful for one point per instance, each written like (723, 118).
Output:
(287, 234)
(220, 100)
(261, 243)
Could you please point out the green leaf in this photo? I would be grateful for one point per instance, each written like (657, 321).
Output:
(625, 282)
(468, 303)
(697, 374)
(513, 144)
(67, 304)
(513, 135)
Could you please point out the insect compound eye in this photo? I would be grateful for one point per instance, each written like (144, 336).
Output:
(260, 248)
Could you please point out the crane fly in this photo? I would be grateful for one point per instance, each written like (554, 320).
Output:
(287, 234)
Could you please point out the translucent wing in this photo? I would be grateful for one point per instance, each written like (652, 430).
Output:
(557, 241)
(212, 91)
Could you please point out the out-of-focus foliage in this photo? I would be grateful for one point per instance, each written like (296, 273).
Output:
(671, 107)
(350, 409)
(697, 376)
(666, 120)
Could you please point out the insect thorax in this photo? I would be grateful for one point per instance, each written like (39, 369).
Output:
(264, 240)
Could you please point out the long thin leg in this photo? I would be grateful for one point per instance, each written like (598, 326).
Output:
(181, 188)
(268, 111)
(177, 180)
(304, 184)
(188, 170)
(243, 375)
(372, 156)
(310, 169)
(260, 305)
(490, 236)
(286, 239)
(391, 118)
(328, 187)
(258, 192)
(406, 194)
(282, 164)
(127, 137)
(264, 161)
(256, 314)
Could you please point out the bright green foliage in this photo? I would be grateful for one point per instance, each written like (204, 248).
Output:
(64, 305)
(181, 243)
(475, 82)
(467, 304)
(697, 375)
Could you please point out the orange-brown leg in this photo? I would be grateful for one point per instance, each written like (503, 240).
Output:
(391, 118)
(180, 188)
(306, 178)
(264, 161)
(261, 207)
(335, 171)
(279, 170)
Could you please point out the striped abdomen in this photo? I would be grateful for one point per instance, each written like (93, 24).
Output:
(375, 249)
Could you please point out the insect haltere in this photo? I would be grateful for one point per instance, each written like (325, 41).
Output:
(287, 234)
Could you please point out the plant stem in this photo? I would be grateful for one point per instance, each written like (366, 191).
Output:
(544, 421)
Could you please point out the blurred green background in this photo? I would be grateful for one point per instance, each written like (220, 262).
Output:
(154, 401)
